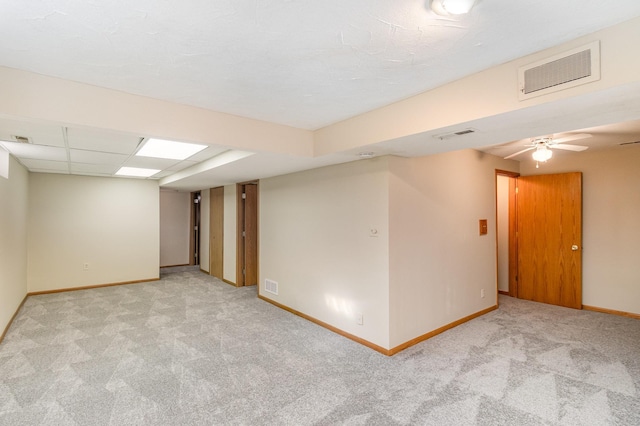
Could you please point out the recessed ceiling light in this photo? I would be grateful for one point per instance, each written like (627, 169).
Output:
(136, 171)
(171, 150)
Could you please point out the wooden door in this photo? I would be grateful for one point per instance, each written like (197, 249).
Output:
(251, 235)
(549, 239)
(247, 242)
(216, 230)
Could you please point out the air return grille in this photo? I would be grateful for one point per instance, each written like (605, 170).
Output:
(271, 286)
(569, 69)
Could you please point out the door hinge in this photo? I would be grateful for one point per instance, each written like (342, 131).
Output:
(244, 272)
(516, 189)
(244, 234)
(244, 196)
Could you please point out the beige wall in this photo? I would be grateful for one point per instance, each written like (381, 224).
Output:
(205, 226)
(315, 242)
(610, 227)
(175, 219)
(230, 227)
(13, 240)
(111, 224)
(438, 261)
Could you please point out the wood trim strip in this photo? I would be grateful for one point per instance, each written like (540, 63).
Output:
(88, 287)
(328, 327)
(205, 272)
(229, 282)
(437, 331)
(506, 293)
(387, 352)
(611, 311)
(173, 266)
(15, 314)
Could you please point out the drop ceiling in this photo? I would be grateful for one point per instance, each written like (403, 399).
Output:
(305, 64)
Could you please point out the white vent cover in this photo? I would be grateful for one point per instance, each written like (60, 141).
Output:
(569, 69)
(271, 286)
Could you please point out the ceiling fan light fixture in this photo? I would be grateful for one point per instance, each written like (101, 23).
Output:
(451, 7)
(542, 154)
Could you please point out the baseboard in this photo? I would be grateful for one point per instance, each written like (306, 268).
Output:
(610, 311)
(328, 327)
(6, 329)
(442, 329)
(506, 293)
(206, 272)
(388, 352)
(88, 287)
(173, 266)
(229, 282)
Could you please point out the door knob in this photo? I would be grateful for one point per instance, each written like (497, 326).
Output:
(574, 247)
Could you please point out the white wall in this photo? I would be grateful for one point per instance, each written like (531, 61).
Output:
(503, 232)
(110, 223)
(205, 226)
(230, 228)
(610, 226)
(438, 261)
(175, 219)
(13, 240)
(315, 242)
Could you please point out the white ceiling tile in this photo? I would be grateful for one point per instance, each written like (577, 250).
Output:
(102, 140)
(91, 157)
(81, 168)
(38, 133)
(26, 150)
(150, 162)
(40, 165)
(182, 165)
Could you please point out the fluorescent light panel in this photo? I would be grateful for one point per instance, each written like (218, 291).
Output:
(136, 171)
(159, 148)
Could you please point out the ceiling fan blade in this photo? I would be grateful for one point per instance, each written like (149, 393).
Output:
(519, 152)
(570, 138)
(570, 147)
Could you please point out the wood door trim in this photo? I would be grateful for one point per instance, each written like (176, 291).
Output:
(513, 243)
(240, 248)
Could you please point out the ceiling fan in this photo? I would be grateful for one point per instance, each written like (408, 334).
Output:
(543, 146)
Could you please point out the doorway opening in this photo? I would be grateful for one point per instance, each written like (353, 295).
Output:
(194, 227)
(247, 234)
(506, 221)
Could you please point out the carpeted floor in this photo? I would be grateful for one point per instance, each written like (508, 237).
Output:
(190, 349)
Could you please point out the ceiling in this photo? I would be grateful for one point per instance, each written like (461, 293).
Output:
(305, 64)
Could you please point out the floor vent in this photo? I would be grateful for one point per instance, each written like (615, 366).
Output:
(559, 72)
(271, 286)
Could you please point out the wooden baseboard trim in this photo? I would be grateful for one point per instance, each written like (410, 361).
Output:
(206, 272)
(611, 311)
(88, 287)
(328, 326)
(173, 266)
(388, 352)
(506, 293)
(442, 329)
(15, 314)
(229, 282)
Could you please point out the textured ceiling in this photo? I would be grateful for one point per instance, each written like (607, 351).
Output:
(302, 63)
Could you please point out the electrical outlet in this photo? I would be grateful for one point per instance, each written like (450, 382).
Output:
(482, 293)
(85, 266)
(359, 318)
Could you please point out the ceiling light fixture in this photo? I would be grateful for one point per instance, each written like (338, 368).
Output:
(542, 154)
(451, 7)
(136, 172)
(158, 148)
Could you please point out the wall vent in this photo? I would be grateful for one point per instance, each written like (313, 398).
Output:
(569, 69)
(271, 286)
(21, 139)
(450, 135)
